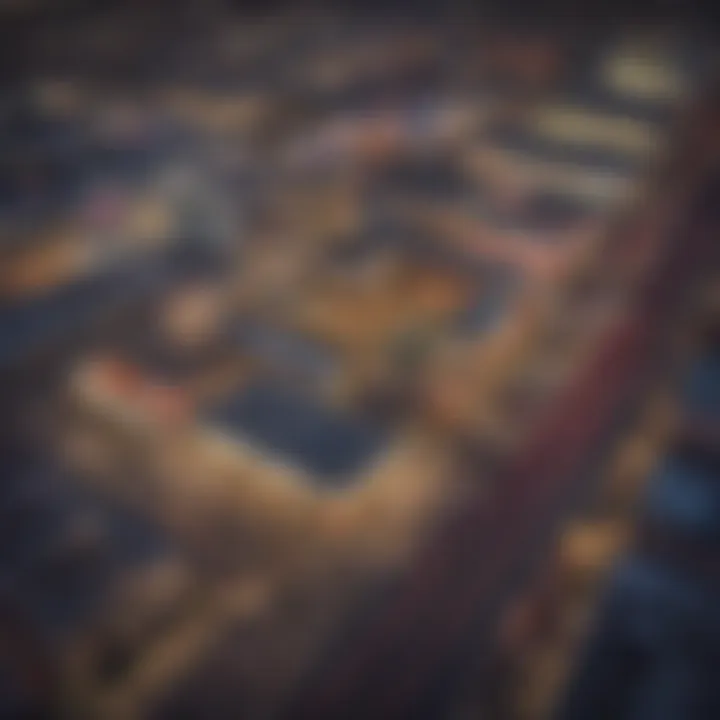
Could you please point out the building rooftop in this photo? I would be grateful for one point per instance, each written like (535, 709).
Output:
(60, 311)
(589, 95)
(422, 245)
(285, 352)
(166, 361)
(327, 444)
(539, 149)
(65, 546)
(545, 214)
(438, 180)
(684, 494)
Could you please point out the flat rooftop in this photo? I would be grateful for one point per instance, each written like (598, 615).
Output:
(684, 494)
(587, 93)
(61, 310)
(437, 180)
(536, 148)
(284, 351)
(65, 545)
(327, 444)
(423, 246)
(544, 215)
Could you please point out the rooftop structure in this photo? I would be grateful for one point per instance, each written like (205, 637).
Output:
(290, 428)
